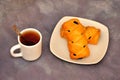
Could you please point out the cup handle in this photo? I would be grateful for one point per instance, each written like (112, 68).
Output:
(17, 46)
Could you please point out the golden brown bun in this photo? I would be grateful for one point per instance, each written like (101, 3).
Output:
(73, 32)
(92, 34)
(70, 26)
(81, 54)
(78, 38)
(78, 49)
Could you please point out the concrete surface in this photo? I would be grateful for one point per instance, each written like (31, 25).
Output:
(44, 15)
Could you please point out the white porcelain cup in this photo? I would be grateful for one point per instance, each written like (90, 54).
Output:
(29, 53)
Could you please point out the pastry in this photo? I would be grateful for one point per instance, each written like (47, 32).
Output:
(73, 32)
(92, 34)
(78, 37)
(69, 26)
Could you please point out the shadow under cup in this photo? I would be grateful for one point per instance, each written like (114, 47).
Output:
(29, 37)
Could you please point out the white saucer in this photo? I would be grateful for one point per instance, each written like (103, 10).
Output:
(58, 45)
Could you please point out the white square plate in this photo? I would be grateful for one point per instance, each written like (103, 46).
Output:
(58, 45)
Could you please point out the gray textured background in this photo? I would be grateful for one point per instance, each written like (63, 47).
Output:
(43, 15)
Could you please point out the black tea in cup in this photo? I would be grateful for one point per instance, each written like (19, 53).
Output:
(29, 38)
